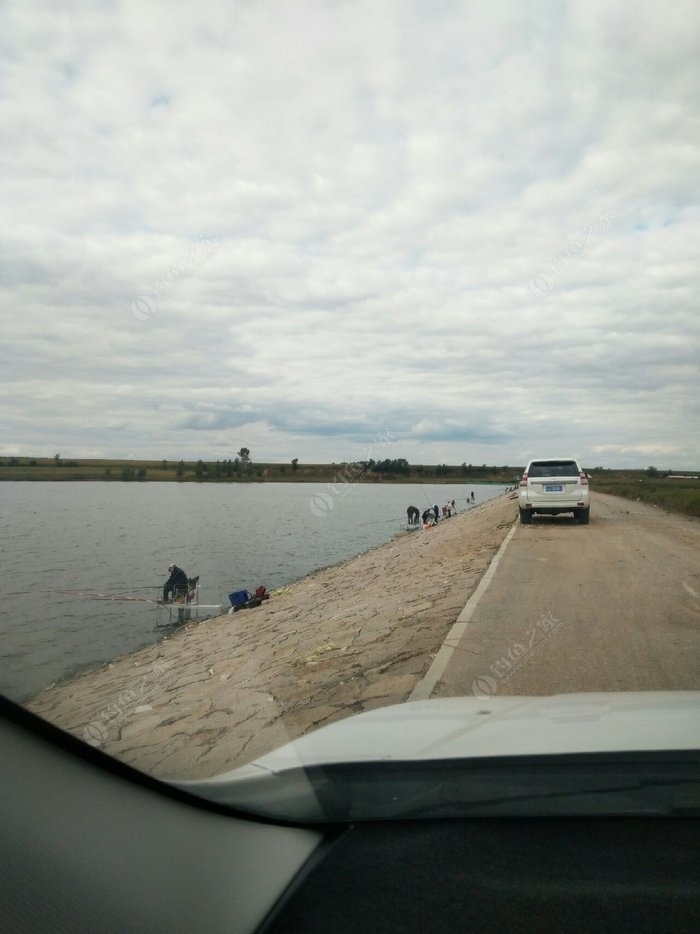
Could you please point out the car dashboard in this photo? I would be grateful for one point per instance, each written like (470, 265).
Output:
(90, 844)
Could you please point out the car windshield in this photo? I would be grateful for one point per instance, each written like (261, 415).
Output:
(297, 301)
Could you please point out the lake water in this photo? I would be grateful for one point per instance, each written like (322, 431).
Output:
(63, 542)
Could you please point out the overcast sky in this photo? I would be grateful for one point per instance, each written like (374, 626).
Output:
(303, 227)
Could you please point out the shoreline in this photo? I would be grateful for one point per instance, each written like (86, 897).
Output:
(353, 636)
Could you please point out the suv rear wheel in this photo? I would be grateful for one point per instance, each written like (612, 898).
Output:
(583, 516)
(525, 516)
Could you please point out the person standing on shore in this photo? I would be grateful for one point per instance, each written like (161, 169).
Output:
(177, 584)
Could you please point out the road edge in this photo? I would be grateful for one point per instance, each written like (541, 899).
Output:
(428, 682)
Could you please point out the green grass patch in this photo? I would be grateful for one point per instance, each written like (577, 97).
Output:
(681, 496)
(232, 471)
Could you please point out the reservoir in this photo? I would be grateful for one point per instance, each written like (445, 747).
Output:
(65, 544)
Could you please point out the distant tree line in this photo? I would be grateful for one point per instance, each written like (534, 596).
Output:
(241, 467)
(399, 465)
(236, 467)
(128, 473)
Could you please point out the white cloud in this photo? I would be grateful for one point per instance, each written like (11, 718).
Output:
(384, 180)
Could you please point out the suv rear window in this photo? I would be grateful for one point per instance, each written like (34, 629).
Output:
(553, 469)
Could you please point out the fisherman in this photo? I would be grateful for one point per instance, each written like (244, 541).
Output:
(436, 511)
(177, 584)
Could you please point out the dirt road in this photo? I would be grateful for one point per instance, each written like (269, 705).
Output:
(612, 606)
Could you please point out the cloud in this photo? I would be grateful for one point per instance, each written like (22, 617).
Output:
(382, 182)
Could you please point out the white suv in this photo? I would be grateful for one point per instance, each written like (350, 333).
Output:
(553, 486)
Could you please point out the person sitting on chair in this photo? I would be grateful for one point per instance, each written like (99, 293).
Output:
(176, 584)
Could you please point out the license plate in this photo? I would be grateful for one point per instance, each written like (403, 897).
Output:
(554, 488)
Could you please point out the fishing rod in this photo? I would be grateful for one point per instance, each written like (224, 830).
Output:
(120, 595)
(425, 493)
(21, 593)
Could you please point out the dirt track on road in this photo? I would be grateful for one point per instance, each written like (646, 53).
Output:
(611, 606)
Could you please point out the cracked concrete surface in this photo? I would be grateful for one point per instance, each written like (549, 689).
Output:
(348, 638)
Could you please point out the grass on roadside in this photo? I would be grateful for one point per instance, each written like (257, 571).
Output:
(675, 495)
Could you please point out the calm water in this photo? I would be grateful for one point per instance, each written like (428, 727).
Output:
(119, 538)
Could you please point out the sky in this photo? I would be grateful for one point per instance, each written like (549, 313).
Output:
(470, 229)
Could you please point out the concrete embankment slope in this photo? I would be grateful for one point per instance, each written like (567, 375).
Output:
(348, 638)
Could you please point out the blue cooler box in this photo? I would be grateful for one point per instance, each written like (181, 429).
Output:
(239, 597)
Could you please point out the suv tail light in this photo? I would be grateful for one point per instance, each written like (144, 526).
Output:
(523, 480)
(583, 478)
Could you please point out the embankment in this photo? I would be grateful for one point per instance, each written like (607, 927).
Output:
(348, 638)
